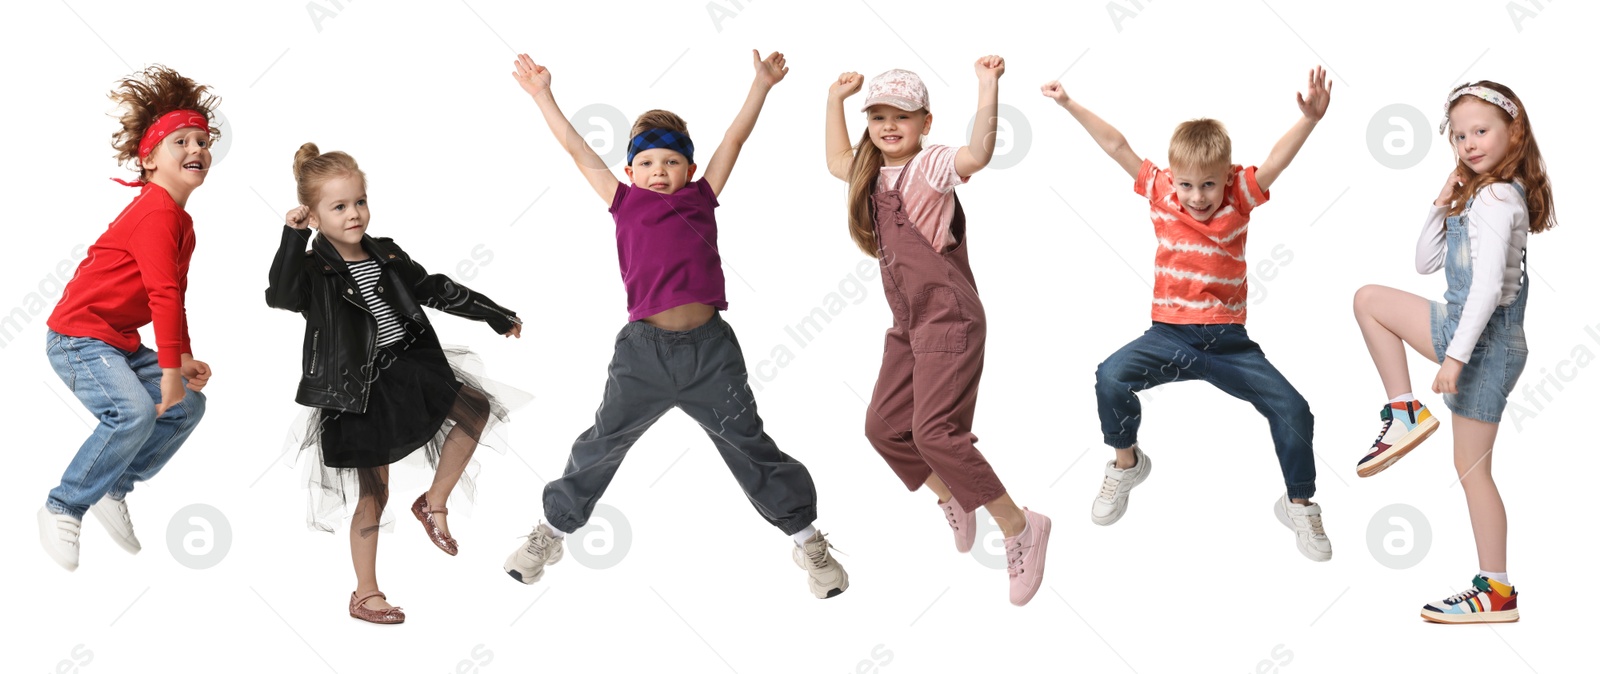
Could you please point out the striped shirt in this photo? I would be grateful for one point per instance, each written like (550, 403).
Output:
(1200, 266)
(366, 274)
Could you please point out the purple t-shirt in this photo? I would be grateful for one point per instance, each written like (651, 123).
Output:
(667, 247)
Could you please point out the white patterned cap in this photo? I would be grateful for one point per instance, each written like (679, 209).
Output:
(899, 88)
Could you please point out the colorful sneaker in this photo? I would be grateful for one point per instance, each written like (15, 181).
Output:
(113, 514)
(543, 548)
(1025, 557)
(1112, 502)
(827, 575)
(1489, 601)
(59, 536)
(963, 523)
(1306, 522)
(1405, 425)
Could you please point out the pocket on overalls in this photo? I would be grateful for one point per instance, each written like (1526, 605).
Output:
(937, 322)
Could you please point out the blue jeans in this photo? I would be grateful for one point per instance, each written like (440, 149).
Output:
(131, 444)
(1224, 356)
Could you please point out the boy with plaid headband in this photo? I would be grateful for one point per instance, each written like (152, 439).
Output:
(675, 351)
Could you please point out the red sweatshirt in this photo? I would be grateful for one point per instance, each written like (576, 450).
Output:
(135, 274)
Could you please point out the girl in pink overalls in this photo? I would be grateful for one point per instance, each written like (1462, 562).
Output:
(903, 211)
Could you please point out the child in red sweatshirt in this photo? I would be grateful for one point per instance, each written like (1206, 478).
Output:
(148, 402)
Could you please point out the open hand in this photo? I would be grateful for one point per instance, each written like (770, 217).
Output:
(846, 86)
(771, 70)
(991, 67)
(1055, 92)
(1315, 102)
(532, 77)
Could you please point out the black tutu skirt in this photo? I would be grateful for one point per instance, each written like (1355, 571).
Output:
(420, 393)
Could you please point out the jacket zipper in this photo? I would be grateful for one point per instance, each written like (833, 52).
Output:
(315, 334)
(502, 313)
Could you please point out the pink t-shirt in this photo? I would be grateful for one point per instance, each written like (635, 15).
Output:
(929, 193)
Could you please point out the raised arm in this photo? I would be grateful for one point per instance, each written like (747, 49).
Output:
(980, 148)
(286, 284)
(1106, 136)
(768, 73)
(535, 79)
(840, 151)
(1312, 106)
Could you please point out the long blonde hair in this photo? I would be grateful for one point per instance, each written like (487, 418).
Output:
(1522, 163)
(864, 169)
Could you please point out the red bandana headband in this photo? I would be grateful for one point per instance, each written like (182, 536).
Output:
(163, 127)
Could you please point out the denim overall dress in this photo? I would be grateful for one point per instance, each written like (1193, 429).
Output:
(1502, 350)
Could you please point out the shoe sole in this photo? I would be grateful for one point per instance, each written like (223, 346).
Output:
(1044, 549)
(105, 520)
(1283, 516)
(374, 622)
(1491, 617)
(1108, 521)
(1407, 443)
(44, 541)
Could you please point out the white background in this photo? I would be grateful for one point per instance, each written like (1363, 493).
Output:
(1198, 576)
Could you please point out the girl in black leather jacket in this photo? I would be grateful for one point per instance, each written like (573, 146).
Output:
(380, 385)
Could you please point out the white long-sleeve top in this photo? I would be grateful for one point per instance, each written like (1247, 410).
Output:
(1497, 227)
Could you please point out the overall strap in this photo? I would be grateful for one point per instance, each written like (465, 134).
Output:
(900, 180)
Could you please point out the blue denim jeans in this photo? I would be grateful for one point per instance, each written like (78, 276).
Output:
(131, 444)
(1224, 356)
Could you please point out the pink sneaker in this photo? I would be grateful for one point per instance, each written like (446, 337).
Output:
(1025, 557)
(963, 523)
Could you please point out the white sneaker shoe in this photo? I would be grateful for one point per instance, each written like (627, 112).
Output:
(113, 514)
(542, 549)
(826, 576)
(1306, 521)
(1112, 502)
(59, 536)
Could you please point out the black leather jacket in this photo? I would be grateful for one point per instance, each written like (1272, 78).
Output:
(341, 332)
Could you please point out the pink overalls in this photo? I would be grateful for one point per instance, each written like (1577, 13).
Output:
(920, 417)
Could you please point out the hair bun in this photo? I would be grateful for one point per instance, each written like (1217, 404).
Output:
(306, 153)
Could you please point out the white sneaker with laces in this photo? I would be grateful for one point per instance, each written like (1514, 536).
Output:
(1306, 522)
(543, 548)
(1112, 501)
(827, 577)
(59, 536)
(113, 514)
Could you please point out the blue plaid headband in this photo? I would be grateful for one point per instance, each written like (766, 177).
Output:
(651, 139)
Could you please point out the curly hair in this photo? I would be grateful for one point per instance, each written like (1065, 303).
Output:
(147, 95)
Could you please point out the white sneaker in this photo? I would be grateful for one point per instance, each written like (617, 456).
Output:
(826, 576)
(114, 515)
(1306, 521)
(1112, 502)
(542, 549)
(59, 536)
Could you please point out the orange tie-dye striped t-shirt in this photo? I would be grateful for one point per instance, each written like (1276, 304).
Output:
(1200, 266)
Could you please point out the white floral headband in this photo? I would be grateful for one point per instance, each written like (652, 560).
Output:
(1485, 93)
